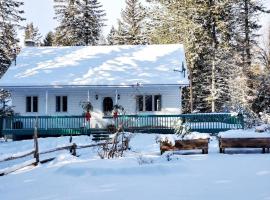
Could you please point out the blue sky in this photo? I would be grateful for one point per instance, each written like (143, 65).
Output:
(41, 13)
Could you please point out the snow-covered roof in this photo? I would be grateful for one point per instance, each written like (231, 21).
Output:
(98, 66)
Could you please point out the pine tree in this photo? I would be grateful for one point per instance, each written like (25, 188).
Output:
(111, 36)
(91, 21)
(32, 33)
(120, 37)
(130, 27)
(262, 101)
(210, 31)
(80, 21)
(10, 16)
(247, 12)
(49, 39)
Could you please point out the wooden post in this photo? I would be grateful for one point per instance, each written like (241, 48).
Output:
(36, 154)
(73, 149)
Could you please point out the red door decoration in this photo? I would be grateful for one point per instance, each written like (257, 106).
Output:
(88, 116)
(115, 115)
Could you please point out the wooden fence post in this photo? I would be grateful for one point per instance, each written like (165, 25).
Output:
(36, 154)
(73, 149)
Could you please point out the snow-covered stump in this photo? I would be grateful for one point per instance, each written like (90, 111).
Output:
(193, 144)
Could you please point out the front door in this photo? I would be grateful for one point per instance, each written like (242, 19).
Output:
(107, 105)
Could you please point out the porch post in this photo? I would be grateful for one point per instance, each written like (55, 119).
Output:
(116, 96)
(46, 103)
(88, 95)
(181, 99)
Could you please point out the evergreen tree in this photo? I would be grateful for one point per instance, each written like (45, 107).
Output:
(10, 16)
(91, 21)
(130, 27)
(210, 31)
(49, 39)
(32, 33)
(80, 22)
(111, 36)
(262, 101)
(120, 37)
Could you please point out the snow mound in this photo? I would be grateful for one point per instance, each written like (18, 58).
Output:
(243, 134)
(192, 136)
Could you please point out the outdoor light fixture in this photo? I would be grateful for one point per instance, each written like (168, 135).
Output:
(118, 96)
(96, 97)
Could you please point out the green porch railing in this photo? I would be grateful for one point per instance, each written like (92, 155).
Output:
(47, 125)
(77, 125)
(207, 123)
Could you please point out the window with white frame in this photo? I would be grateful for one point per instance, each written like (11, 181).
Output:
(148, 103)
(32, 104)
(61, 103)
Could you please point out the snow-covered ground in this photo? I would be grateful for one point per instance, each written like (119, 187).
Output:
(141, 174)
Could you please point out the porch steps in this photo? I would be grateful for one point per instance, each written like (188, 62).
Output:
(100, 135)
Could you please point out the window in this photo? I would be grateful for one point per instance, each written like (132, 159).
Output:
(148, 103)
(61, 104)
(140, 103)
(32, 104)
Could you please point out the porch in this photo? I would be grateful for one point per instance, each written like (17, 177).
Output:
(23, 126)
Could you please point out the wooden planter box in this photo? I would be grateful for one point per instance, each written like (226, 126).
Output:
(185, 145)
(263, 143)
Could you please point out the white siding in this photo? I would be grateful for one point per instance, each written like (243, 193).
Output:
(171, 100)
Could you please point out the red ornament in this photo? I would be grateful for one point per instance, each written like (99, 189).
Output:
(88, 116)
(115, 115)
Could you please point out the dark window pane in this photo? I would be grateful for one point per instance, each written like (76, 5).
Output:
(65, 103)
(28, 104)
(148, 103)
(139, 103)
(157, 101)
(35, 104)
(57, 103)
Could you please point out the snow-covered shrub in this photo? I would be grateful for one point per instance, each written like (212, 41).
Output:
(116, 146)
(251, 119)
(265, 118)
(144, 160)
(167, 140)
(181, 129)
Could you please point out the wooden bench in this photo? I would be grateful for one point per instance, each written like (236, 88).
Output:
(263, 143)
(185, 145)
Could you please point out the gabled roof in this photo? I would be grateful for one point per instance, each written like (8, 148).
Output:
(97, 66)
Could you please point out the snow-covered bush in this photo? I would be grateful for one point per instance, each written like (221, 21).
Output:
(251, 119)
(167, 140)
(181, 129)
(142, 160)
(116, 146)
(265, 119)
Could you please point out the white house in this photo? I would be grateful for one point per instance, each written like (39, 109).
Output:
(55, 80)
